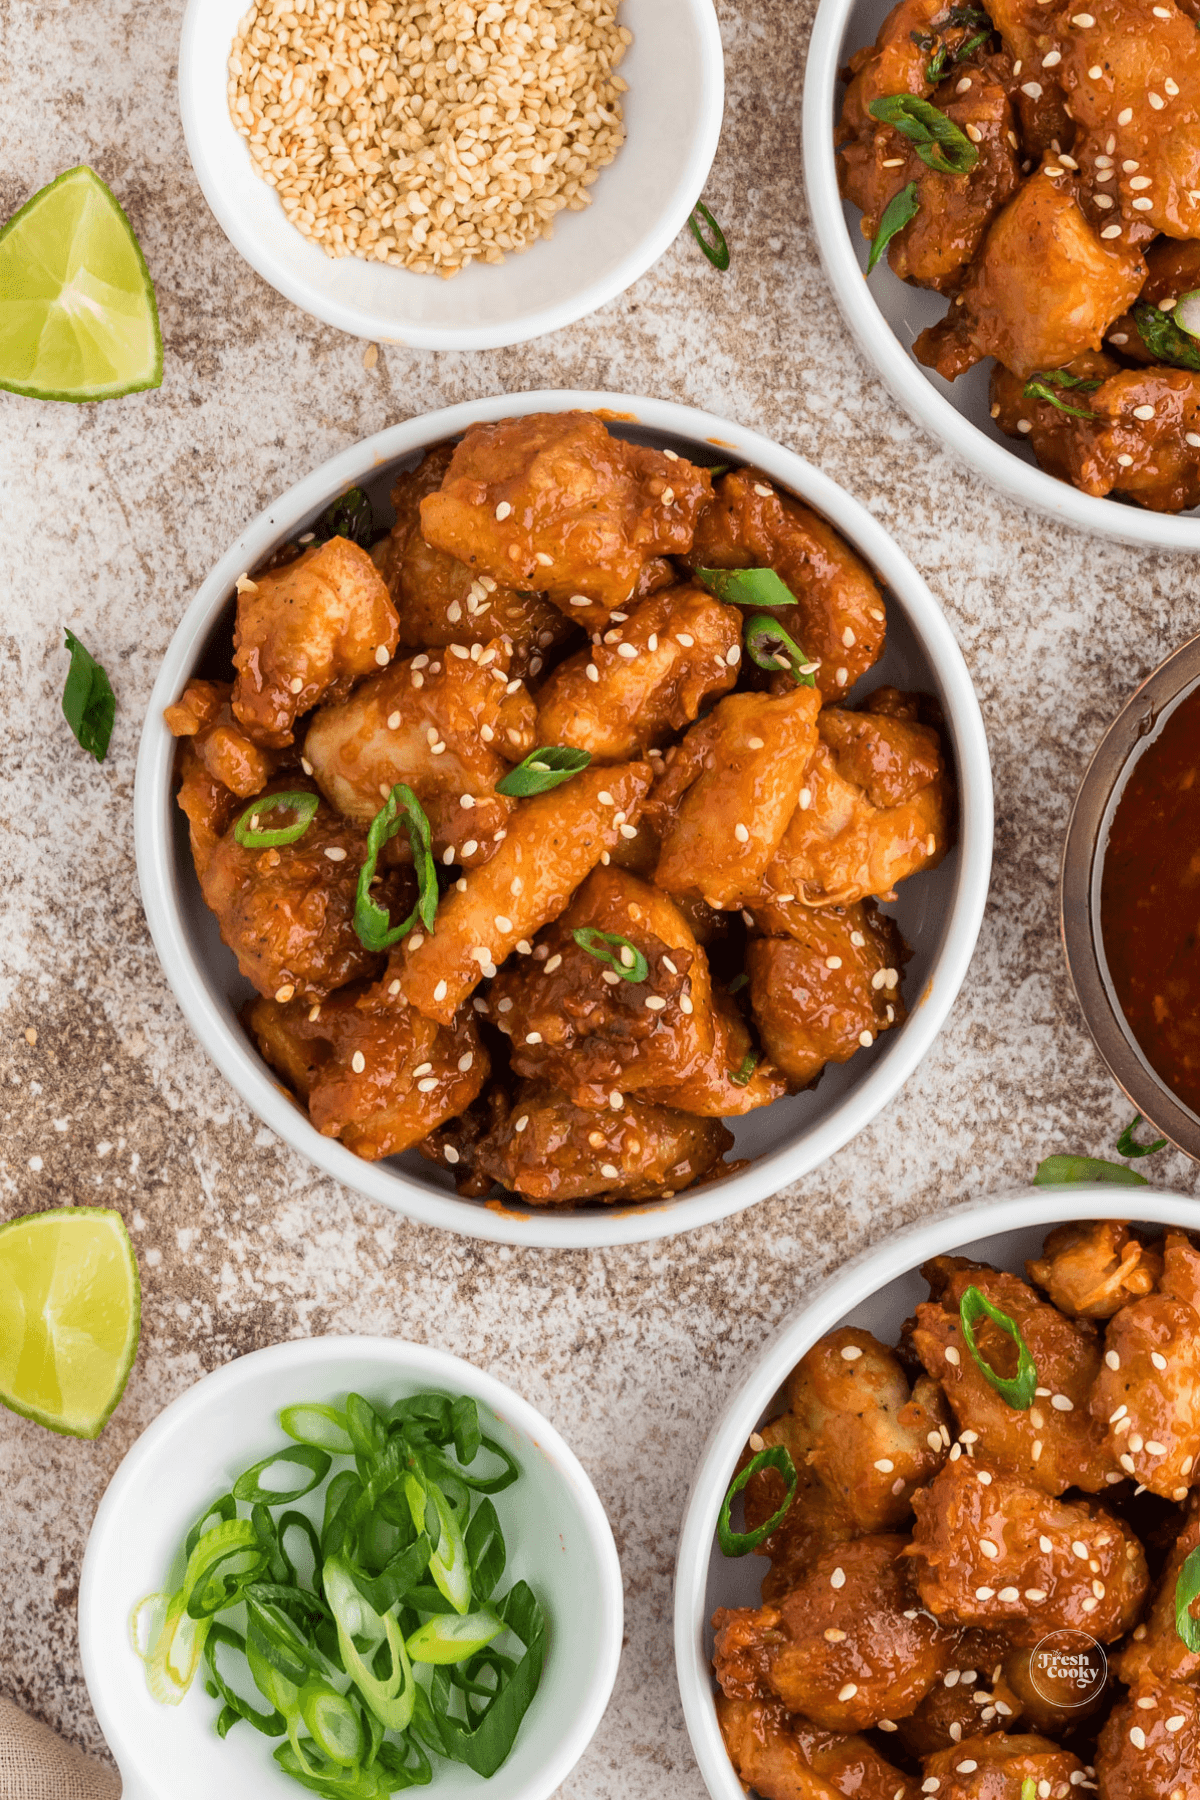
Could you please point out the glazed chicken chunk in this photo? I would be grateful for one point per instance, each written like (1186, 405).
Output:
(723, 802)
(874, 807)
(990, 1549)
(1091, 1269)
(306, 633)
(231, 756)
(440, 601)
(1150, 1746)
(1147, 1392)
(783, 1757)
(554, 502)
(848, 1646)
(1155, 1651)
(992, 1768)
(208, 805)
(874, 1437)
(824, 984)
(839, 616)
(1044, 288)
(973, 1698)
(1055, 1443)
(287, 912)
(648, 677)
(374, 1072)
(433, 723)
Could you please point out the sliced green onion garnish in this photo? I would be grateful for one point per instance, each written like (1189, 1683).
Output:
(303, 1456)
(714, 245)
(742, 1076)
(1019, 1389)
(1029, 1788)
(253, 836)
(542, 770)
(900, 211)
(1163, 337)
(323, 1426)
(1057, 1171)
(1127, 1144)
(454, 1637)
(747, 587)
(770, 647)
(628, 962)
(739, 981)
(351, 516)
(1187, 1587)
(937, 140)
(88, 703)
(372, 923)
(1042, 387)
(740, 1543)
(1186, 312)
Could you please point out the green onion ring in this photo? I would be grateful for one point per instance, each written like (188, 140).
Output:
(371, 921)
(302, 803)
(770, 647)
(1187, 1587)
(740, 1543)
(1019, 1390)
(591, 940)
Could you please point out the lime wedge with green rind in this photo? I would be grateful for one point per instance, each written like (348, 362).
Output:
(78, 318)
(70, 1316)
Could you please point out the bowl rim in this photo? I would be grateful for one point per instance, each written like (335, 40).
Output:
(1082, 860)
(380, 327)
(423, 1362)
(578, 1229)
(853, 1282)
(904, 378)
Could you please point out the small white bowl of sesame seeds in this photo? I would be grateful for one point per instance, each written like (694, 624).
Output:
(876, 1291)
(421, 138)
(938, 916)
(886, 315)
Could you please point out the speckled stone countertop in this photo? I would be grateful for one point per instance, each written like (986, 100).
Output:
(112, 516)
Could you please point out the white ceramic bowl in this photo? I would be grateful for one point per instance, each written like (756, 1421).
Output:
(886, 315)
(939, 913)
(641, 201)
(877, 1290)
(556, 1533)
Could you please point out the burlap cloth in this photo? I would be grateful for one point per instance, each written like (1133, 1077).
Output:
(35, 1764)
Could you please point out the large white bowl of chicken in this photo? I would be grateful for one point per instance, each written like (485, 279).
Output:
(555, 1024)
(1046, 157)
(895, 1633)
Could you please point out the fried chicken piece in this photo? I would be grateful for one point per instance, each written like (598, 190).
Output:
(375, 1073)
(555, 1153)
(848, 1646)
(207, 804)
(649, 677)
(783, 1757)
(307, 632)
(839, 616)
(997, 1767)
(814, 1520)
(874, 808)
(1027, 29)
(827, 988)
(1044, 288)
(1147, 1393)
(440, 601)
(727, 792)
(1090, 1269)
(972, 1699)
(991, 1550)
(288, 913)
(733, 1079)
(954, 211)
(873, 1437)
(554, 841)
(1149, 1748)
(204, 716)
(898, 61)
(431, 723)
(1155, 1651)
(1050, 1703)
(554, 501)
(1138, 122)
(766, 1753)
(1055, 1444)
(1142, 440)
(576, 1025)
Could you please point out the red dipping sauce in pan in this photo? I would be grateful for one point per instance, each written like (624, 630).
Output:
(1150, 902)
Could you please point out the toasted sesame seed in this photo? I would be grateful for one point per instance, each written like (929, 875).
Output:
(1137, 1737)
(610, 1171)
(885, 1465)
(1060, 1403)
(439, 992)
(1153, 1448)
(1143, 412)
(1125, 116)
(1112, 1359)
(952, 1356)
(335, 853)
(1156, 101)
(1032, 88)
(805, 799)
(989, 1549)
(834, 1636)
(866, 1038)
(628, 651)
(848, 1692)
(851, 1352)
(741, 833)
(1111, 231)
(838, 1578)
(358, 1062)
(592, 672)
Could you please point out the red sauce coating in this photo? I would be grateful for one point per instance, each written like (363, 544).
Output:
(1150, 901)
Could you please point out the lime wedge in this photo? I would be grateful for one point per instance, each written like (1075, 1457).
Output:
(70, 1314)
(78, 320)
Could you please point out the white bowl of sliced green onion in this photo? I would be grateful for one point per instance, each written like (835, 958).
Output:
(349, 1566)
(939, 916)
(876, 1292)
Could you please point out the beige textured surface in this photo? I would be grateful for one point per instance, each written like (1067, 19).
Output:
(112, 516)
